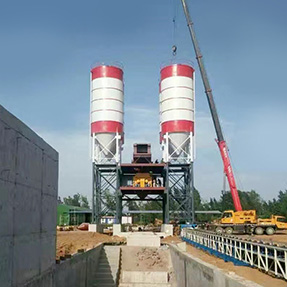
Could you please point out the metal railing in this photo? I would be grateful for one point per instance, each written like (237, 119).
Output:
(269, 258)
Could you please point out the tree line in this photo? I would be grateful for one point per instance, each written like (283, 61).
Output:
(249, 200)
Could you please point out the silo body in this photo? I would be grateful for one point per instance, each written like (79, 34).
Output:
(107, 111)
(177, 112)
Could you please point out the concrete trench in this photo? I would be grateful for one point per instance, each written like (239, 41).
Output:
(180, 270)
(111, 266)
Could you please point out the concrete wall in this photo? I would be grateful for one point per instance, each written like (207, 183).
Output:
(28, 202)
(79, 271)
(193, 272)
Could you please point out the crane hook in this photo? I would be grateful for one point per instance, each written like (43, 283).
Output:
(174, 48)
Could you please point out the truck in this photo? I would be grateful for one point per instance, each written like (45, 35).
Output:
(246, 221)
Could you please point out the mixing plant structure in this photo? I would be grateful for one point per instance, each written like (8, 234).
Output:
(169, 182)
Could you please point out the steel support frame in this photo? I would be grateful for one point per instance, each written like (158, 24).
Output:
(157, 198)
(184, 155)
(106, 199)
(179, 193)
(101, 154)
(134, 197)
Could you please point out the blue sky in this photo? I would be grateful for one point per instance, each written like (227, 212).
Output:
(47, 49)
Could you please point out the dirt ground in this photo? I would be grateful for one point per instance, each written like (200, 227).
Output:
(246, 272)
(68, 242)
(148, 259)
(145, 259)
(279, 237)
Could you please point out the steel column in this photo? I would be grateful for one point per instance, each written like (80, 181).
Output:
(166, 197)
(180, 191)
(118, 197)
(106, 199)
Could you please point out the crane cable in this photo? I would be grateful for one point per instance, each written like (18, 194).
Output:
(174, 47)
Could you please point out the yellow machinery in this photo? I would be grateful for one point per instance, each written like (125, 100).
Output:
(246, 221)
(238, 217)
(279, 221)
(142, 180)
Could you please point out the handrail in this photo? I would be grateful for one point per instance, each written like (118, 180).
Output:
(269, 258)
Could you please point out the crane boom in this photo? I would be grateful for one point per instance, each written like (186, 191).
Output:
(208, 91)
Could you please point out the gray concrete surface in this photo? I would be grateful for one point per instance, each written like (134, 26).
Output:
(95, 228)
(147, 239)
(107, 273)
(117, 229)
(167, 229)
(28, 202)
(193, 272)
(78, 271)
(145, 277)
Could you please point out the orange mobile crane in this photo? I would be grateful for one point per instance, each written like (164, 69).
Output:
(208, 91)
(240, 220)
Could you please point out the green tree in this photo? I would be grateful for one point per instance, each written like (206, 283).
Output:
(84, 202)
(77, 200)
(110, 200)
(278, 206)
(74, 201)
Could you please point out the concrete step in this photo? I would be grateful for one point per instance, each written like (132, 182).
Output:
(106, 273)
(110, 273)
(105, 281)
(114, 259)
(109, 259)
(105, 276)
(105, 285)
(107, 265)
(103, 255)
(109, 255)
(106, 268)
(110, 252)
(144, 277)
(144, 285)
(111, 248)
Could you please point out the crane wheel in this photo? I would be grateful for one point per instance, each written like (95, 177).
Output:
(219, 230)
(259, 230)
(270, 230)
(229, 230)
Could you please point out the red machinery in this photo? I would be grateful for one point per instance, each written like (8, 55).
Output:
(220, 139)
